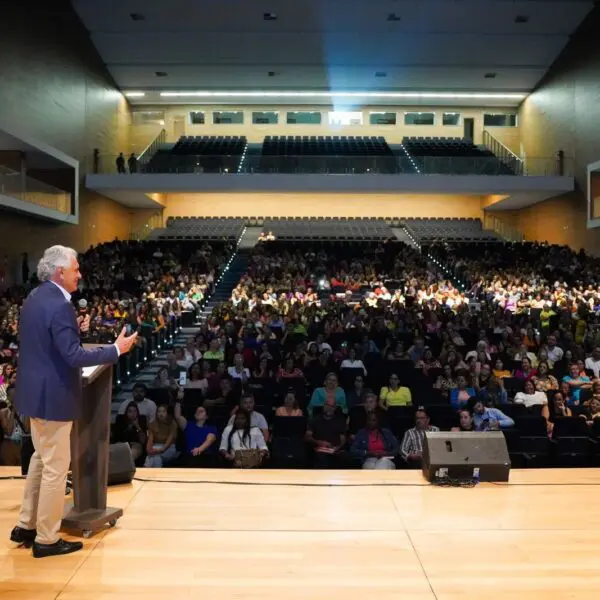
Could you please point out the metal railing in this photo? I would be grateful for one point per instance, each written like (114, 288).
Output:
(506, 232)
(155, 221)
(150, 150)
(27, 189)
(347, 165)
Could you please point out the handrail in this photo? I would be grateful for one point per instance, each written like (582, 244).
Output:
(17, 184)
(150, 150)
(154, 221)
(489, 139)
(506, 232)
(503, 154)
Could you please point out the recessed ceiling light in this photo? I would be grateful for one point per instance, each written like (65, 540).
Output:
(137, 16)
(380, 74)
(394, 17)
(270, 16)
(521, 19)
(490, 75)
(135, 94)
(160, 73)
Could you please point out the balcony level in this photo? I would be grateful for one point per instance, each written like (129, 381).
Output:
(331, 164)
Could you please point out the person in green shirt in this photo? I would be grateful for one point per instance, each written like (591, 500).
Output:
(214, 351)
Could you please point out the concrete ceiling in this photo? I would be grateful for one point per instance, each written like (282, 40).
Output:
(337, 45)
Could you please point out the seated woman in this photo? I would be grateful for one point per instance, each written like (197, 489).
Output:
(557, 407)
(200, 438)
(591, 412)
(289, 370)
(14, 428)
(243, 446)
(330, 392)
(526, 371)
(196, 379)
(290, 406)
(130, 428)
(162, 434)
(459, 396)
(376, 446)
(499, 370)
(262, 370)
(465, 421)
(162, 379)
(530, 397)
(445, 382)
(543, 381)
(394, 394)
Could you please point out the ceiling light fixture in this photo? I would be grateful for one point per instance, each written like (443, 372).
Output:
(135, 94)
(490, 75)
(160, 73)
(270, 16)
(416, 95)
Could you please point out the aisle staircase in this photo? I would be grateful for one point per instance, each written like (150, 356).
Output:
(229, 279)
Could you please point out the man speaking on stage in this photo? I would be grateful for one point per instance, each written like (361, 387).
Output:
(48, 390)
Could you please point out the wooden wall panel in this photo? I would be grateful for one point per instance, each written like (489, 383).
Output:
(324, 205)
(177, 122)
(55, 86)
(564, 113)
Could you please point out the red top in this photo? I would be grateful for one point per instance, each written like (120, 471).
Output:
(376, 444)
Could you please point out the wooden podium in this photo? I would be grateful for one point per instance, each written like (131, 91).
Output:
(90, 440)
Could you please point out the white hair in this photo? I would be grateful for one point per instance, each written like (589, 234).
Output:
(54, 258)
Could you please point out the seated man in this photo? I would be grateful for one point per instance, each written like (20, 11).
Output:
(488, 419)
(411, 448)
(256, 418)
(326, 433)
(146, 407)
(576, 381)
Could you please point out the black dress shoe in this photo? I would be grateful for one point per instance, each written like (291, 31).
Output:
(60, 547)
(23, 537)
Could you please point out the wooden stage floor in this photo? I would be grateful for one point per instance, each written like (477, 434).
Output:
(292, 535)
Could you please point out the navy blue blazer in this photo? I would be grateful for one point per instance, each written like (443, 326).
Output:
(51, 357)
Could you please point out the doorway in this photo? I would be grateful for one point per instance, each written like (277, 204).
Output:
(469, 128)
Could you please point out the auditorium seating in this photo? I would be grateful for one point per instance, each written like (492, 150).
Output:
(326, 154)
(449, 228)
(328, 228)
(200, 154)
(192, 228)
(453, 156)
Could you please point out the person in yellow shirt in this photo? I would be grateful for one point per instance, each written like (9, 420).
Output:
(394, 394)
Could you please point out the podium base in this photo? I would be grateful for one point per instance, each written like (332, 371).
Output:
(91, 521)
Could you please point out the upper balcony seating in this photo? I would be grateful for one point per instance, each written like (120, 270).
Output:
(328, 228)
(449, 228)
(454, 156)
(197, 228)
(200, 154)
(326, 154)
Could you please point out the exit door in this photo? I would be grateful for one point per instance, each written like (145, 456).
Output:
(469, 127)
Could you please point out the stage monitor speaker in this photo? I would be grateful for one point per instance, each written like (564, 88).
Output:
(121, 466)
(464, 455)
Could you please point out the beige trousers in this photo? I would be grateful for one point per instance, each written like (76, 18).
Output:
(44, 497)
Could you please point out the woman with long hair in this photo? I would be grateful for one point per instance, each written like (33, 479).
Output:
(242, 445)
(162, 435)
(131, 429)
